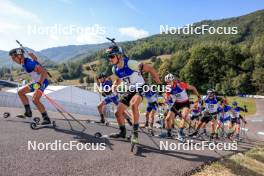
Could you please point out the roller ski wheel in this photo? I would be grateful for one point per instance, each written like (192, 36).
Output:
(134, 142)
(36, 120)
(98, 135)
(151, 132)
(6, 115)
(54, 124)
(132, 147)
(165, 136)
(35, 125)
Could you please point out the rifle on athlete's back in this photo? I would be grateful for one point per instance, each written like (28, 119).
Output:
(33, 56)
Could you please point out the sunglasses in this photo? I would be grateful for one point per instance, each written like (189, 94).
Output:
(111, 57)
(169, 82)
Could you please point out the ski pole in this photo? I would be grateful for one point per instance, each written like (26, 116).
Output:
(63, 110)
(60, 112)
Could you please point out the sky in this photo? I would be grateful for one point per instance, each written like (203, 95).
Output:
(45, 24)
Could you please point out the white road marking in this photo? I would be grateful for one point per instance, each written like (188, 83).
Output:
(256, 120)
(244, 129)
(260, 133)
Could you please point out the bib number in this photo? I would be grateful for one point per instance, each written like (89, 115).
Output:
(127, 80)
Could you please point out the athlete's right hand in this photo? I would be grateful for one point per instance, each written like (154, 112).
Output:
(36, 85)
(33, 56)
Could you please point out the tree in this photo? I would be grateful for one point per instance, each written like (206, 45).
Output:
(164, 69)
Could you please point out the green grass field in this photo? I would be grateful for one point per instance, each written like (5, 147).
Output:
(250, 163)
(249, 102)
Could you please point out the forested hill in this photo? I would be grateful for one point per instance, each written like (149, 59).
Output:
(229, 63)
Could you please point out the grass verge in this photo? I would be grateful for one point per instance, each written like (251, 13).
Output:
(244, 164)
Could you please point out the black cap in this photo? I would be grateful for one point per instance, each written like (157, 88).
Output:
(17, 51)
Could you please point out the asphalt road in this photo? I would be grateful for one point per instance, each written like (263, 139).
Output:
(116, 159)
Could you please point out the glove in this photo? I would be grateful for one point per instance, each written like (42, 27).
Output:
(36, 85)
(160, 100)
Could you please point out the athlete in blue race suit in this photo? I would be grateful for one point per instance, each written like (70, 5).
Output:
(235, 119)
(130, 73)
(109, 96)
(38, 85)
(152, 104)
(209, 113)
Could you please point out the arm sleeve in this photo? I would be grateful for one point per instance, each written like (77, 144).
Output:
(114, 74)
(241, 109)
(219, 98)
(184, 85)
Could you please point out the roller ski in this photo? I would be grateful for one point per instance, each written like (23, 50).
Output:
(212, 138)
(45, 123)
(6, 114)
(134, 141)
(150, 131)
(166, 135)
(181, 136)
(102, 122)
(112, 136)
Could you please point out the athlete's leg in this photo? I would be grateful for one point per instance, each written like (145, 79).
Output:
(201, 124)
(147, 119)
(127, 116)
(152, 116)
(36, 100)
(100, 108)
(213, 126)
(237, 129)
(168, 122)
(134, 103)
(22, 95)
(119, 114)
(230, 128)
(185, 113)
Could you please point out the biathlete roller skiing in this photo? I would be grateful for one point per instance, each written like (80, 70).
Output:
(105, 88)
(209, 113)
(130, 73)
(38, 84)
(180, 102)
(154, 100)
